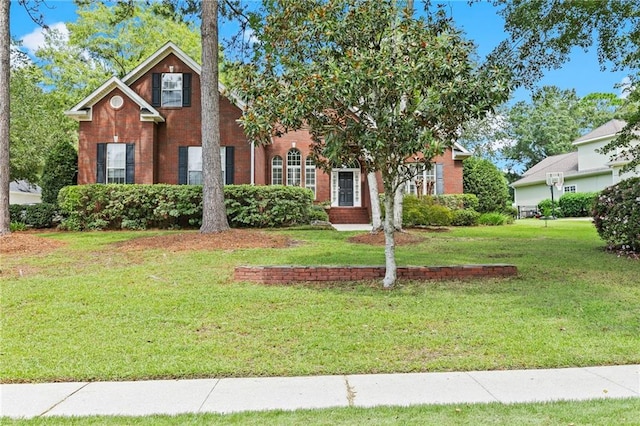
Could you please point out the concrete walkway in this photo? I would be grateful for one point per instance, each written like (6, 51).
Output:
(252, 394)
(352, 227)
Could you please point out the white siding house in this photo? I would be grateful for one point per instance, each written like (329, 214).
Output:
(585, 170)
(22, 192)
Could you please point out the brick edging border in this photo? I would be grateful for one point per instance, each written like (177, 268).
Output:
(292, 274)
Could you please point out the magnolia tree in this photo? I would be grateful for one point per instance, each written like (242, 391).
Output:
(371, 81)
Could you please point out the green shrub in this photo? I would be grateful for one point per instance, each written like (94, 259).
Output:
(547, 209)
(439, 210)
(438, 215)
(60, 170)
(616, 215)
(413, 211)
(40, 215)
(579, 204)
(130, 206)
(465, 217)
(482, 178)
(494, 219)
(318, 213)
(510, 211)
(457, 201)
(17, 226)
(267, 206)
(171, 206)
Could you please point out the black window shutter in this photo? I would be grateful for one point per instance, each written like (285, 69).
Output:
(439, 179)
(156, 88)
(183, 162)
(228, 165)
(130, 176)
(101, 163)
(186, 89)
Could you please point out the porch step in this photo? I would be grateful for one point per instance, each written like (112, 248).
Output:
(349, 215)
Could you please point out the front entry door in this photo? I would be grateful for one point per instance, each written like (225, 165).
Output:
(345, 188)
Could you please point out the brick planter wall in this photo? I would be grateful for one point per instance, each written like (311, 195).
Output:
(291, 274)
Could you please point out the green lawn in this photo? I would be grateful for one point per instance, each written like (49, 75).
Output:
(597, 412)
(89, 311)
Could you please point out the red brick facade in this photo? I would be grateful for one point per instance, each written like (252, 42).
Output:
(156, 134)
(294, 274)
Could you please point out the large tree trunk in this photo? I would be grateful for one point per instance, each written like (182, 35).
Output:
(390, 243)
(376, 213)
(5, 67)
(214, 216)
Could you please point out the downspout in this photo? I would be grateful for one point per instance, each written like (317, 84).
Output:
(253, 163)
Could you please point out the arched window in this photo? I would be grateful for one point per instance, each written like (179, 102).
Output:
(276, 170)
(294, 167)
(310, 175)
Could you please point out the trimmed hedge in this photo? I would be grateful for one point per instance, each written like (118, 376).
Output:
(579, 204)
(457, 201)
(616, 215)
(40, 215)
(101, 206)
(267, 206)
(424, 212)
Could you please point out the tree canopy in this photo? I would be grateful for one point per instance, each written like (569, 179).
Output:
(371, 81)
(552, 121)
(544, 32)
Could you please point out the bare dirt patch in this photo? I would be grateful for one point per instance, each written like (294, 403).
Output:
(21, 243)
(228, 240)
(377, 239)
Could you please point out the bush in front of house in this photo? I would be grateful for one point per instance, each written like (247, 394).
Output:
(457, 201)
(174, 206)
(318, 213)
(482, 178)
(267, 206)
(494, 219)
(130, 206)
(579, 204)
(616, 215)
(60, 170)
(465, 217)
(548, 209)
(41, 215)
(424, 212)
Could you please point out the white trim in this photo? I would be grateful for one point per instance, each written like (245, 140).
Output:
(164, 51)
(357, 187)
(83, 111)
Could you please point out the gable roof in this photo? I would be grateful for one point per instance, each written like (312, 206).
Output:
(565, 163)
(83, 110)
(607, 130)
(171, 48)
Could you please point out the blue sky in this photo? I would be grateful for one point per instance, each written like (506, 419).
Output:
(480, 22)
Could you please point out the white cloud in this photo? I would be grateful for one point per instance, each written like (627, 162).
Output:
(35, 40)
(625, 87)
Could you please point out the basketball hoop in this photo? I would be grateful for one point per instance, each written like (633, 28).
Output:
(555, 178)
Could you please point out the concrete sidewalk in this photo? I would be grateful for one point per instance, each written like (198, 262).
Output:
(352, 227)
(252, 394)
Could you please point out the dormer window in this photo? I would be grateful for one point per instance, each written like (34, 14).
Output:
(171, 89)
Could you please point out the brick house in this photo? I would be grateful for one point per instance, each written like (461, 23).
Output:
(145, 128)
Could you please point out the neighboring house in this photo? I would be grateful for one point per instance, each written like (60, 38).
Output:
(584, 170)
(145, 128)
(23, 192)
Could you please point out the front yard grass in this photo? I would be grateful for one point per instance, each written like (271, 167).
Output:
(90, 311)
(611, 412)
